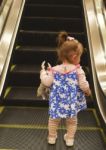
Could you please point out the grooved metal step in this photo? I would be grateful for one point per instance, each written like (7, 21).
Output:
(30, 55)
(26, 128)
(44, 38)
(39, 117)
(46, 10)
(56, 2)
(52, 24)
(25, 139)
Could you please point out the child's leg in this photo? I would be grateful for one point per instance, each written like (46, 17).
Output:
(71, 125)
(52, 128)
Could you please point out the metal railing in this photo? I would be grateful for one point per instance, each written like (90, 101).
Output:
(2, 4)
(4, 11)
(98, 4)
(8, 38)
(96, 33)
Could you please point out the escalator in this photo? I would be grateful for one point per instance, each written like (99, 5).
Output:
(24, 127)
(36, 41)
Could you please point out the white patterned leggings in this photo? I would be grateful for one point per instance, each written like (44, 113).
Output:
(71, 126)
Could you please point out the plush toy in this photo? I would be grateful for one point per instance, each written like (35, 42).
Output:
(43, 91)
(46, 77)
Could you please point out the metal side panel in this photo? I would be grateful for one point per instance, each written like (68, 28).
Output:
(8, 38)
(4, 11)
(97, 54)
(2, 4)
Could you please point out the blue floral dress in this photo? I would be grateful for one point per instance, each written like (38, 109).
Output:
(66, 98)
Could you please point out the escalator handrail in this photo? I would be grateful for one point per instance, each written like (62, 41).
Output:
(2, 4)
(8, 38)
(4, 11)
(97, 55)
(104, 10)
(98, 5)
(100, 11)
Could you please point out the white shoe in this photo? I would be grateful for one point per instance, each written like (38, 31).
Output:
(52, 140)
(69, 142)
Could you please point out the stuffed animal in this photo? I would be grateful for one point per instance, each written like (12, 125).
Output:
(43, 89)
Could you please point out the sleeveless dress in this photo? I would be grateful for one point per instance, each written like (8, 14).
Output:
(66, 98)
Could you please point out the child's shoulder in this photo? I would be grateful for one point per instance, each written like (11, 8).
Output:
(56, 67)
(65, 68)
(80, 70)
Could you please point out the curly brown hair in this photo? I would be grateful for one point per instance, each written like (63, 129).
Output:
(67, 47)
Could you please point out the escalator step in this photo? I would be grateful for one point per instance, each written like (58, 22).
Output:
(22, 93)
(27, 68)
(35, 55)
(52, 24)
(19, 95)
(39, 117)
(25, 128)
(23, 96)
(24, 79)
(29, 54)
(57, 2)
(53, 11)
(25, 75)
(44, 38)
(30, 74)
(25, 139)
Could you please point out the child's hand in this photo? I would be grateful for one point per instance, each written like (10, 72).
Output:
(88, 93)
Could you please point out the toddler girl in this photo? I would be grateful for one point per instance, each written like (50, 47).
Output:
(68, 87)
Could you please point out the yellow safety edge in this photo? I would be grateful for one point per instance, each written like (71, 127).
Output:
(12, 67)
(7, 91)
(1, 109)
